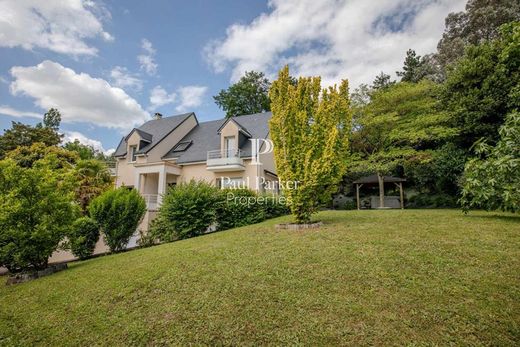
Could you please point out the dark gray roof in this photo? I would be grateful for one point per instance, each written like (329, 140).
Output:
(205, 137)
(373, 179)
(154, 131)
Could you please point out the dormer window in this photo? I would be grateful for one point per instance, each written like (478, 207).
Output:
(133, 156)
(182, 146)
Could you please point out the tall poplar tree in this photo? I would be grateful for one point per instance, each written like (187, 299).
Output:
(310, 128)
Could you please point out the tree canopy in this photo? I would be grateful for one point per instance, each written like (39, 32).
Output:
(247, 96)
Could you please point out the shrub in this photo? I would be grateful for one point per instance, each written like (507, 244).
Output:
(118, 213)
(238, 207)
(187, 210)
(36, 210)
(83, 237)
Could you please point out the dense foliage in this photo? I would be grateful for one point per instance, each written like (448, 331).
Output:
(492, 180)
(187, 210)
(25, 135)
(36, 211)
(83, 236)
(310, 129)
(247, 96)
(118, 212)
(191, 209)
(93, 179)
(484, 87)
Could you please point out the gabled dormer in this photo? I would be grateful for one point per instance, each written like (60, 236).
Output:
(136, 141)
(233, 136)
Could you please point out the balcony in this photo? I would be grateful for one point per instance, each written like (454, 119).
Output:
(225, 160)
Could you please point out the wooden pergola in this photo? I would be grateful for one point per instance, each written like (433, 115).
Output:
(374, 179)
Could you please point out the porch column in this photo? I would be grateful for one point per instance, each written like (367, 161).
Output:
(401, 193)
(137, 181)
(161, 189)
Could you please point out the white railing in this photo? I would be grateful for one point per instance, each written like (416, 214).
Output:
(224, 153)
(152, 201)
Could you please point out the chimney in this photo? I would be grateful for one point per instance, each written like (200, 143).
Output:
(157, 115)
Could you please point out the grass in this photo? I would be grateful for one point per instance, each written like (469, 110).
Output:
(413, 277)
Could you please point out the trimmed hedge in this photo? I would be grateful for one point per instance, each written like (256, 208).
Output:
(118, 213)
(83, 237)
(191, 209)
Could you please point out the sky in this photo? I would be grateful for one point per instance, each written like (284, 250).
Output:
(108, 66)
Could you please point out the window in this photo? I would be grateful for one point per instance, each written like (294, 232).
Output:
(133, 150)
(230, 147)
(182, 146)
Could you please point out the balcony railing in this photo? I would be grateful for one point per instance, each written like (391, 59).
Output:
(151, 200)
(224, 153)
(225, 160)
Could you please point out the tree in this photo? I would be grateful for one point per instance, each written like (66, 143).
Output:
(36, 210)
(52, 119)
(398, 125)
(27, 156)
(118, 212)
(478, 24)
(382, 81)
(492, 180)
(412, 63)
(25, 135)
(85, 152)
(249, 95)
(484, 87)
(309, 129)
(93, 179)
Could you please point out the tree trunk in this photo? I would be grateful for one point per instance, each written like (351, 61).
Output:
(380, 179)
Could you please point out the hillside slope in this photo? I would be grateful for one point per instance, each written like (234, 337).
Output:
(369, 277)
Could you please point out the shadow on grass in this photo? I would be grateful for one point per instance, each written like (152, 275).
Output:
(509, 218)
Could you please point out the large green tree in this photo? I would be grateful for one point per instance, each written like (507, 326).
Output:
(399, 124)
(249, 95)
(25, 135)
(36, 210)
(310, 128)
(479, 23)
(484, 87)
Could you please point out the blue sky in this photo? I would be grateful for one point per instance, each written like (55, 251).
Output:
(109, 65)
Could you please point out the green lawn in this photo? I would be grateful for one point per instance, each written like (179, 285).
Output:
(413, 277)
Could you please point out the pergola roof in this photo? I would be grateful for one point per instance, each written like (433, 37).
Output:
(373, 179)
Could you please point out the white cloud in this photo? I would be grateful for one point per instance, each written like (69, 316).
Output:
(353, 39)
(71, 136)
(9, 111)
(147, 59)
(78, 96)
(160, 97)
(122, 78)
(60, 26)
(190, 97)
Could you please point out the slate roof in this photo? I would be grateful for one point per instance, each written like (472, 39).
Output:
(154, 131)
(205, 137)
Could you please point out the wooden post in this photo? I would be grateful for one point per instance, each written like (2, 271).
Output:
(357, 196)
(402, 195)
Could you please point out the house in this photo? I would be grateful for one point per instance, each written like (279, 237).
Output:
(165, 151)
(168, 150)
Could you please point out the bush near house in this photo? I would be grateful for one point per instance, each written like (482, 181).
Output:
(83, 237)
(118, 213)
(189, 209)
